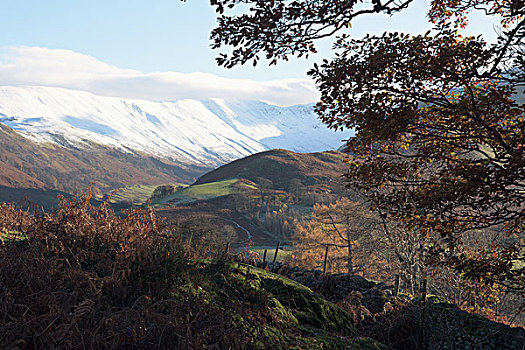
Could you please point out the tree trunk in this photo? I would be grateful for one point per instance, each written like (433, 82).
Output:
(349, 259)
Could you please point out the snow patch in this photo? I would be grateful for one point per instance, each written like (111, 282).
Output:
(210, 132)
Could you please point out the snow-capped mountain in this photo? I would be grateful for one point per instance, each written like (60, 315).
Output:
(210, 132)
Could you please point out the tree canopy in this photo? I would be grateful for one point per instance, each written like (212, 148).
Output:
(439, 118)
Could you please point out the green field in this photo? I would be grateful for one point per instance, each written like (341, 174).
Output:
(281, 255)
(200, 192)
(136, 194)
(209, 190)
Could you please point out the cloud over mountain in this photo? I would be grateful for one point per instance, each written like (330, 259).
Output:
(38, 66)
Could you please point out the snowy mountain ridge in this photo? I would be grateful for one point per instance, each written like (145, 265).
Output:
(211, 132)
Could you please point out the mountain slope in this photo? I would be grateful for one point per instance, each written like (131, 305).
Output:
(281, 167)
(210, 132)
(26, 164)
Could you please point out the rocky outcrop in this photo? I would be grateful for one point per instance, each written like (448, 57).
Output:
(408, 322)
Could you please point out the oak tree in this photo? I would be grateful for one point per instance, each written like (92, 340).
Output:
(439, 118)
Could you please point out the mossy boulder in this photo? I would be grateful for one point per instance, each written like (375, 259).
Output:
(300, 318)
(309, 308)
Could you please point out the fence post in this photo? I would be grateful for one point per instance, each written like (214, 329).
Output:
(190, 239)
(424, 289)
(264, 258)
(325, 259)
(275, 256)
(397, 285)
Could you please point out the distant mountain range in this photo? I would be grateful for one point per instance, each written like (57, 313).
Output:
(207, 133)
(64, 140)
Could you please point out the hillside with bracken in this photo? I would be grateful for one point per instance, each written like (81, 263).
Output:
(27, 164)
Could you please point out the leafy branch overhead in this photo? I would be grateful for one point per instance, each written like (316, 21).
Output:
(439, 118)
(280, 29)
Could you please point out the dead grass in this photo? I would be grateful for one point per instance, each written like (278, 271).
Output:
(86, 278)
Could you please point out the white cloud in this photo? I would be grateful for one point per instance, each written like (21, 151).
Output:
(38, 66)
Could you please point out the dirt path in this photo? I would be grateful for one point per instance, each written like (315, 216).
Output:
(248, 234)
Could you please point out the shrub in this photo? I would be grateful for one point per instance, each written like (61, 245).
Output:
(83, 277)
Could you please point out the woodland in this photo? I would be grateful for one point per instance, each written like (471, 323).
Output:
(439, 118)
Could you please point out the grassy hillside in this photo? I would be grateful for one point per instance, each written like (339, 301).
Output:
(25, 164)
(134, 194)
(28, 196)
(279, 168)
(200, 192)
(213, 189)
(277, 185)
(205, 191)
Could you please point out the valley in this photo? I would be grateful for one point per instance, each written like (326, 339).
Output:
(67, 140)
(246, 199)
(57, 141)
(262, 194)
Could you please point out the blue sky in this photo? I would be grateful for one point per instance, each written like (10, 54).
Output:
(139, 34)
(147, 37)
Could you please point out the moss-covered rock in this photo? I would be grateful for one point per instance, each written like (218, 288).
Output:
(309, 308)
(281, 313)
